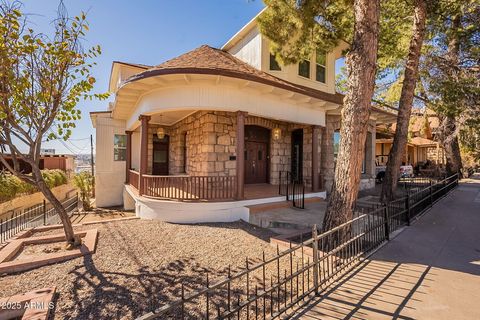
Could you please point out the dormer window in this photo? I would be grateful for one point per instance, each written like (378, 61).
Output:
(274, 65)
(304, 68)
(321, 61)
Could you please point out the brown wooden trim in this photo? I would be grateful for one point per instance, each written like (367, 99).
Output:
(128, 164)
(143, 151)
(240, 169)
(335, 98)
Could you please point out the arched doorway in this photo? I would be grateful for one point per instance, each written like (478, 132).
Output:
(257, 154)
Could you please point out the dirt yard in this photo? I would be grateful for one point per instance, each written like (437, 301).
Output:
(140, 264)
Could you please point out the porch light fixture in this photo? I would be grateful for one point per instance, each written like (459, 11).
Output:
(160, 133)
(277, 133)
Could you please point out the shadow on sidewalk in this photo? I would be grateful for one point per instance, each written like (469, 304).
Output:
(373, 290)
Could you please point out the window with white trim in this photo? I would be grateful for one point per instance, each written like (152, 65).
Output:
(304, 68)
(119, 147)
(321, 62)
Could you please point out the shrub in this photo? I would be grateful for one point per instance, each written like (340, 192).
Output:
(84, 182)
(11, 186)
(8, 186)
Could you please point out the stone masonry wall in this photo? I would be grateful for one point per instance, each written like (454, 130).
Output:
(210, 139)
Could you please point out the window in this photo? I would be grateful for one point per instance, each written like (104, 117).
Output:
(274, 65)
(321, 61)
(304, 68)
(119, 147)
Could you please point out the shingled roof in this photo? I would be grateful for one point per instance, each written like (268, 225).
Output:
(208, 60)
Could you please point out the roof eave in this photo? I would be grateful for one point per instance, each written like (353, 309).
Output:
(242, 32)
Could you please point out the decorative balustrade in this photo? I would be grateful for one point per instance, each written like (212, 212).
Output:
(134, 178)
(194, 188)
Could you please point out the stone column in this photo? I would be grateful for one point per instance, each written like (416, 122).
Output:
(240, 165)
(315, 158)
(128, 164)
(143, 150)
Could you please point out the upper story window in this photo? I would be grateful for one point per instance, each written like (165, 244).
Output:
(304, 68)
(119, 147)
(274, 65)
(321, 61)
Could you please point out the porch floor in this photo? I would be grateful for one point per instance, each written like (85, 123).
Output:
(260, 190)
(263, 190)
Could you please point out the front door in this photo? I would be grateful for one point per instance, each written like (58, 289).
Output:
(255, 162)
(257, 141)
(160, 156)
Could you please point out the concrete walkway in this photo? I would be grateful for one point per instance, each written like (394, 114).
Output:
(429, 271)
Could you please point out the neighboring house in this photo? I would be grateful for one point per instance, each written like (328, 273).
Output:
(50, 162)
(421, 145)
(219, 129)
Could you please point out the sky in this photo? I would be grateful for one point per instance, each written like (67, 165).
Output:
(141, 31)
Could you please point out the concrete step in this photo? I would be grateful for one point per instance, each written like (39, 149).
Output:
(277, 205)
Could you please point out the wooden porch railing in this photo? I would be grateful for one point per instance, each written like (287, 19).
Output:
(134, 178)
(189, 187)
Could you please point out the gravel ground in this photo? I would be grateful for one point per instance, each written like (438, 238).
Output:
(140, 265)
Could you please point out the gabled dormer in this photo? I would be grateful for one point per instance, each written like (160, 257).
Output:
(121, 71)
(317, 72)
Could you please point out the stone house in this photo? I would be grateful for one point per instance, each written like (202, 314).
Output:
(203, 136)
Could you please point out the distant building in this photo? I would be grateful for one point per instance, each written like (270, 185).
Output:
(62, 162)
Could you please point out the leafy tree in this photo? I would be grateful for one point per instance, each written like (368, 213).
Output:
(296, 29)
(450, 74)
(42, 80)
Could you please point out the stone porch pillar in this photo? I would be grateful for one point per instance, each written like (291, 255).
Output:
(143, 150)
(315, 158)
(240, 160)
(128, 164)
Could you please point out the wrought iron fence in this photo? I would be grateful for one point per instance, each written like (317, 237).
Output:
(37, 215)
(292, 190)
(274, 285)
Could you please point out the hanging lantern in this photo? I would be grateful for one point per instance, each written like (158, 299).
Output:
(160, 133)
(277, 133)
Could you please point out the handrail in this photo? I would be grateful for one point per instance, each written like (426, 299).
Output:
(189, 188)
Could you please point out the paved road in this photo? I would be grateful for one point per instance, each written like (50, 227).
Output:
(429, 271)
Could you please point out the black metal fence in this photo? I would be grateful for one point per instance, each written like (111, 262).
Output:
(275, 285)
(292, 190)
(37, 215)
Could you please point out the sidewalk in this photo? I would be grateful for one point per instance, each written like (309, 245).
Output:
(429, 271)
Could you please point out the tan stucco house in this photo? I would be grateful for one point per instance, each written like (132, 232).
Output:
(205, 135)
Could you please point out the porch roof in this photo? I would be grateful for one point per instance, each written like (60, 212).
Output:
(212, 61)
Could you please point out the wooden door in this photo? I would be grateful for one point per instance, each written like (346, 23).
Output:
(256, 162)
(160, 156)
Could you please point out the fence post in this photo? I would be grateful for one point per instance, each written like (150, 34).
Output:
(44, 212)
(407, 208)
(431, 194)
(385, 218)
(315, 258)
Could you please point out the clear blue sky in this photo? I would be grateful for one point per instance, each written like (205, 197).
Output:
(142, 31)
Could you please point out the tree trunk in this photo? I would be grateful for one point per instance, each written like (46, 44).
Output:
(70, 237)
(449, 139)
(361, 68)
(405, 104)
(448, 126)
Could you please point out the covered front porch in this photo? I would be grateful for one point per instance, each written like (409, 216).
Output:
(200, 159)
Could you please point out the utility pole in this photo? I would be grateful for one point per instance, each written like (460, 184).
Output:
(92, 164)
